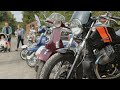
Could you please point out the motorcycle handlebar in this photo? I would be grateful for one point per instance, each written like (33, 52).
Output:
(114, 17)
(107, 17)
(67, 30)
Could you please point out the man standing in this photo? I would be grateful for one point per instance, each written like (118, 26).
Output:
(7, 30)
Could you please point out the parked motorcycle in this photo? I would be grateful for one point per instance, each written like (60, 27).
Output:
(31, 58)
(105, 46)
(24, 51)
(39, 41)
(51, 47)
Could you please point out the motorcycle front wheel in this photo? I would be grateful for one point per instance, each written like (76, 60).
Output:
(40, 66)
(23, 54)
(36, 65)
(31, 62)
(58, 66)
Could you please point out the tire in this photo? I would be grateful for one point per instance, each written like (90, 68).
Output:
(53, 60)
(21, 54)
(36, 65)
(29, 62)
(40, 66)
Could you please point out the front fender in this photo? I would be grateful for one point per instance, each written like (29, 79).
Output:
(65, 51)
(44, 55)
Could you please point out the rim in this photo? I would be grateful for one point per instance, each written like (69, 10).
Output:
(23, 54)
(62, 73)
(32, 61)
(60, 70)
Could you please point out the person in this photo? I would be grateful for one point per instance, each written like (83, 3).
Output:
(7, 30)
(20, 35)
(3, 41)
(32, 34)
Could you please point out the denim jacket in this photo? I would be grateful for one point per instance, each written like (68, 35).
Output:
(9, 30)
(22, 31)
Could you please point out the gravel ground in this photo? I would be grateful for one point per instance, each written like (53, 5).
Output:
(13, 67)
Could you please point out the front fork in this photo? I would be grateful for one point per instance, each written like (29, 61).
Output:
(76, 59)
(79, 52)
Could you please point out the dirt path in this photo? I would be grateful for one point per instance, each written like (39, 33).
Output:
(13, 67)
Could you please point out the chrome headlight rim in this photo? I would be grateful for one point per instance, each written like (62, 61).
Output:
(57, 23)
(76, 30)
(75, 23)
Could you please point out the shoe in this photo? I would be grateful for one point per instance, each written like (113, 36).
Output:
(9, 50)
(16, 50)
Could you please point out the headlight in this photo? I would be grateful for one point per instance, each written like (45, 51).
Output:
(57, 23)
(76, 30)
(76, 27)
(75, 23)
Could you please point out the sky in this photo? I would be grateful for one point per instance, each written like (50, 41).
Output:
(17, 15)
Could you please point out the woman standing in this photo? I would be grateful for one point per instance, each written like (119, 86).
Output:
(20, 35)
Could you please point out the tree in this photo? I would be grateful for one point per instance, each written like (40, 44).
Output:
(7, 16)
(28, 16)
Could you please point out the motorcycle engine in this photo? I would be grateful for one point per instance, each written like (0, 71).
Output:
(107, 54)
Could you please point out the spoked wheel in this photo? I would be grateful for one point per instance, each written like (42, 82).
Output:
(58, 66)
(111, 73)
(40, 66)
(23, 54)
(32, 61)
(62, 73)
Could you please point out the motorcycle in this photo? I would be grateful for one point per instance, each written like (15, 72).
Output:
(53, 44)
(106, 52)
(49, 22)
(33, 46)
(31, 58)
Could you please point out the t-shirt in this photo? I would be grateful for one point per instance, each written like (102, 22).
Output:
(19, 32)
(7, 32)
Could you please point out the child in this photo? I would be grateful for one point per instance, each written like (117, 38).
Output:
(3, 42)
